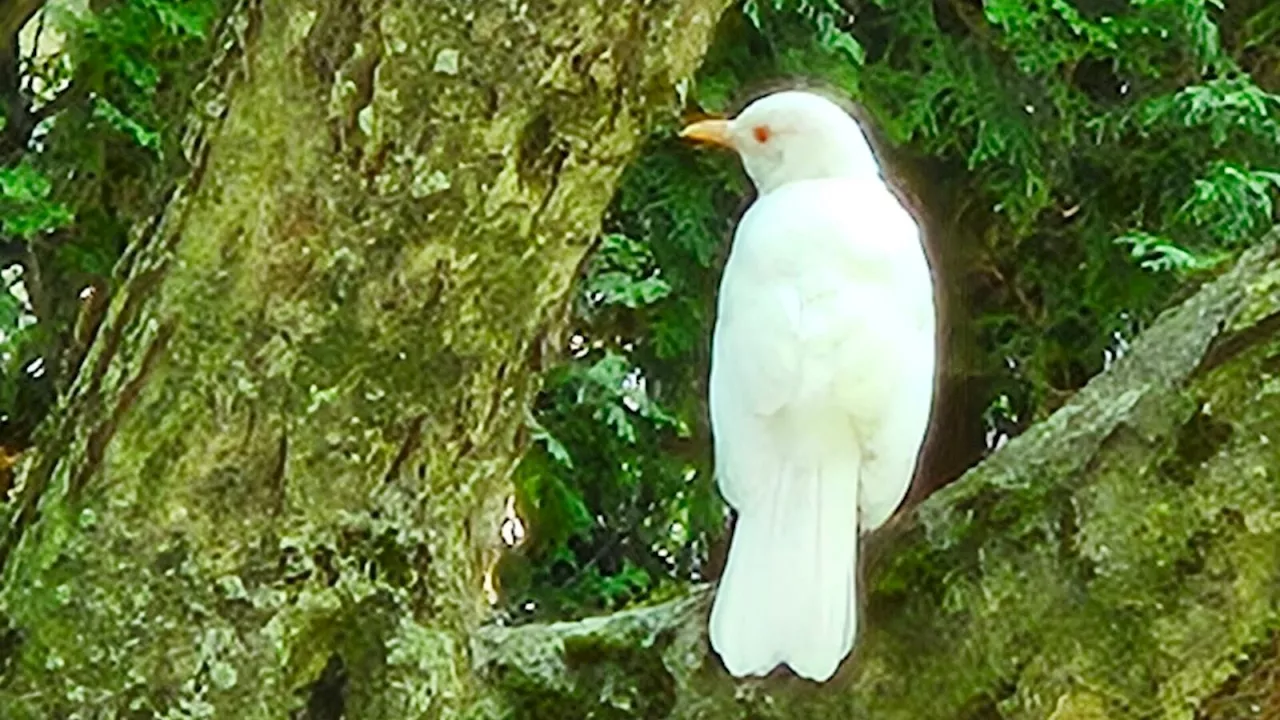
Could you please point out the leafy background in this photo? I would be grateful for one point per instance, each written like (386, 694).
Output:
(1078, 164)
(93, 94)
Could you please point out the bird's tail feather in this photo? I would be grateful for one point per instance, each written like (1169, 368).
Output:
(787, 594)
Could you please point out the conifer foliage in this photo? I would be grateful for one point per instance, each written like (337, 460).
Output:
(1084, 162)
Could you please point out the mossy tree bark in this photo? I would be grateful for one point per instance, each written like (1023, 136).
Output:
(1119, 560)
(275, 485)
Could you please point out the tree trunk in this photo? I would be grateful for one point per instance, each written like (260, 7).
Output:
(1119, 560)
(275, 486)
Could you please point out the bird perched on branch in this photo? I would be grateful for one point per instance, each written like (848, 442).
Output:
(822, 374)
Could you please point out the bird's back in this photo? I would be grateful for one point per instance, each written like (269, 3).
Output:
(825, 301)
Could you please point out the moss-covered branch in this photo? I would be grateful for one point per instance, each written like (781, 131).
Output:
(1118, 560)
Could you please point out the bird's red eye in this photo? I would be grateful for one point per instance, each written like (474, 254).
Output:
(762, 133)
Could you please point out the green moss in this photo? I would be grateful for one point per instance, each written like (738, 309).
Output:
(612, 682)
(294, 507)
(620, 670)
(1142, 579)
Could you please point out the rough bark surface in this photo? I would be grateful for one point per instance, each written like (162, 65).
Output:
(273, 489)
(1119, 560)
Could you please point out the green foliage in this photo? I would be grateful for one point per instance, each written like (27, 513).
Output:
(1086, 160)
(26, 212)
(104, 110)
(1158, 254)
(1233, 202)
(26, 209)
(615, 489)
(828, 18)
(16, 331)
(108, 97)
(132, 46)
(624, 275)
(1070, 131)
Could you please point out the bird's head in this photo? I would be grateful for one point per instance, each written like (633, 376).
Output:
(789, 136)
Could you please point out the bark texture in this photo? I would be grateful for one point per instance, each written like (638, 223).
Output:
(1119, 560)
(274, 488)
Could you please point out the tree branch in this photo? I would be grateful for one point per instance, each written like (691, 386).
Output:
(59, 103)
(1116, 560)
(14, 14)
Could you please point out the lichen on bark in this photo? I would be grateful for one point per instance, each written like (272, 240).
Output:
(1115, 561)
(274, 486)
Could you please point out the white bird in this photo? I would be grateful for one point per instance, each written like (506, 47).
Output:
(822, 372)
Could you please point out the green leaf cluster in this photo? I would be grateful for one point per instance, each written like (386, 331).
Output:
(26, 209)
(615, 488)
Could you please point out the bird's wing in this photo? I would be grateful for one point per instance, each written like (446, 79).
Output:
(755, 363)
(823, 349)
(826, 301)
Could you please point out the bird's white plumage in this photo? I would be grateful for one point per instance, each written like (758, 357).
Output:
(821, 383)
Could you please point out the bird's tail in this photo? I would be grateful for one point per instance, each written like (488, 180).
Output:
(787, 594)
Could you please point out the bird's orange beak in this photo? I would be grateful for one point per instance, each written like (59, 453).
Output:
(713, 132)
